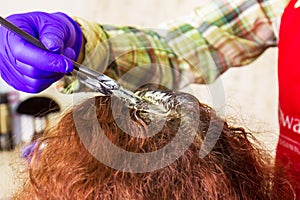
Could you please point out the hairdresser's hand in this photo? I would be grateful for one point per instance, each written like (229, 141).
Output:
(29, 68)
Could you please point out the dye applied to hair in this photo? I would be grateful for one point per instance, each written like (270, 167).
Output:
(160, 103)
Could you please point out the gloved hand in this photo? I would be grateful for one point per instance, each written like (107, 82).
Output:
(30, 69)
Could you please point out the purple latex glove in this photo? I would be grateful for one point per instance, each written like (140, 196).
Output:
(30, 69)
(27, 150)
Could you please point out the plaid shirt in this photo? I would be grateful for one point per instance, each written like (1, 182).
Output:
(192, 49)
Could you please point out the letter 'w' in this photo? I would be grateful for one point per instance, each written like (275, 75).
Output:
(286, 120)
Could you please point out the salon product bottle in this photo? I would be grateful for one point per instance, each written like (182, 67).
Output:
(6, 136)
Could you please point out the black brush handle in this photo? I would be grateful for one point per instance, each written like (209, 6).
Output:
(29, 38)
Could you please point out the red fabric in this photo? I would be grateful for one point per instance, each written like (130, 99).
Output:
(288, 148)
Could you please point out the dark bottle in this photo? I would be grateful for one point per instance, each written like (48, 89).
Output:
(6, 136)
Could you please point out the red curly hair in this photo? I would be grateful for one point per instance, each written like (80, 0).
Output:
(66, 168)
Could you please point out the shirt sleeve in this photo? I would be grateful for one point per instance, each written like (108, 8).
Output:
(193, 49)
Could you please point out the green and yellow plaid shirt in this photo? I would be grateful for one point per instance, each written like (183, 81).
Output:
(192, 49)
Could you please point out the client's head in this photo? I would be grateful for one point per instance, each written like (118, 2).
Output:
(101, 149)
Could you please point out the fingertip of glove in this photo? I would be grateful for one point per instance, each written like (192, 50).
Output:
(52, 43)
(70, 53)
(68, 66)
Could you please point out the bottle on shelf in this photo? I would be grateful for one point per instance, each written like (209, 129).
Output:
(6, 135)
